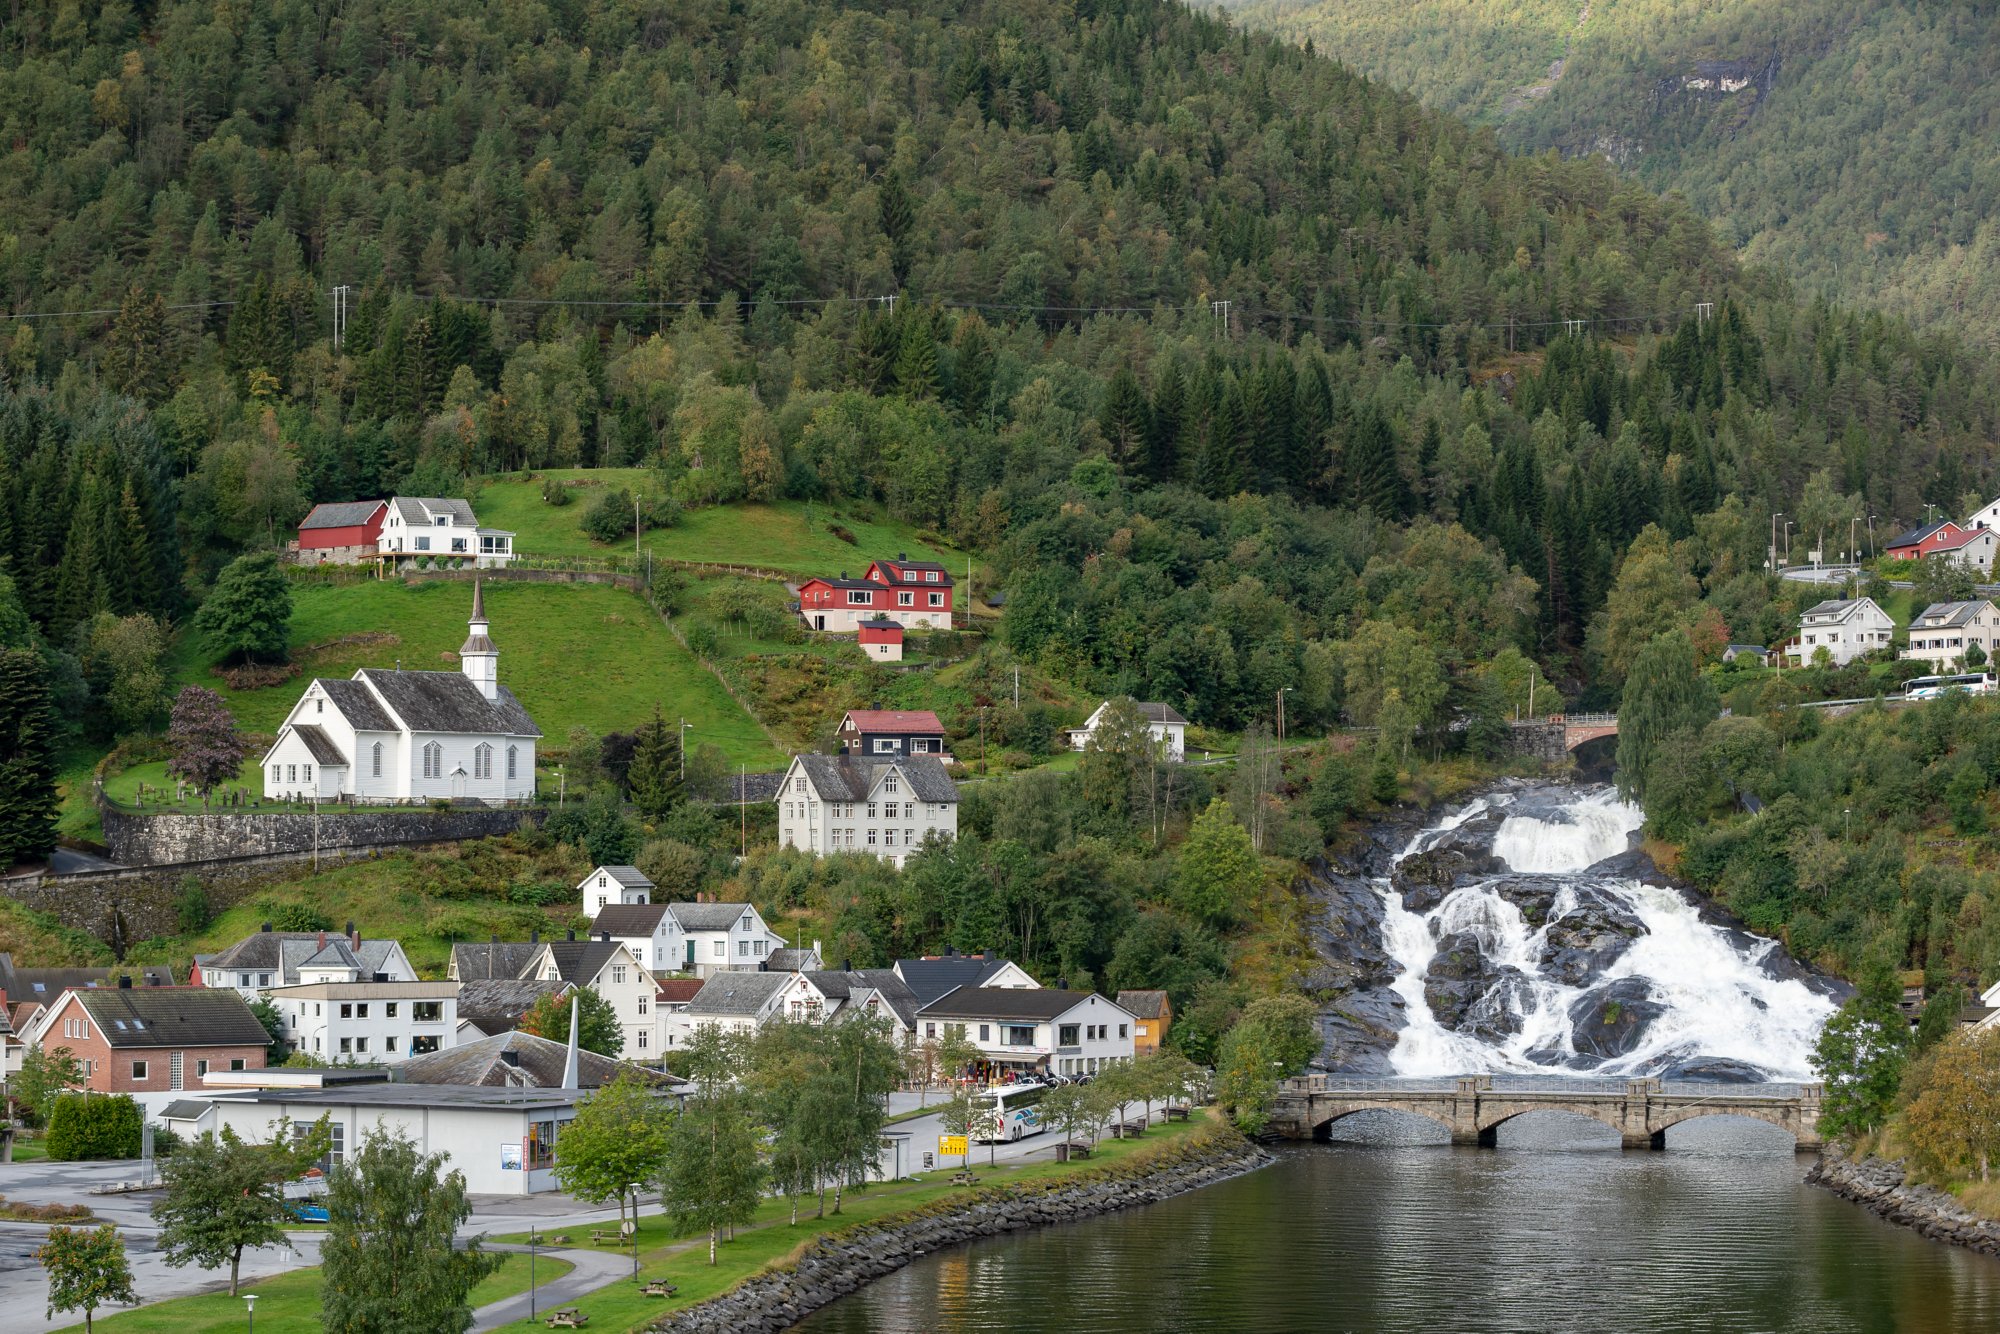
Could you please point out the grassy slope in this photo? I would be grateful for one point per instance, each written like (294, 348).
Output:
(575, 654)
(789, 536)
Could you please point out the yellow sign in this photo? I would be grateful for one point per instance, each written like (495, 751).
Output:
(952, 1144)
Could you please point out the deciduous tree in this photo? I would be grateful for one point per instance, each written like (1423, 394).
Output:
(617, 1140)
(248, 614)
(390, 1263)
(87, 1269)
(203, 744)
(598, 1027)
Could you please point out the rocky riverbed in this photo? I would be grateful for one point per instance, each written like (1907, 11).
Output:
(1881, 1187)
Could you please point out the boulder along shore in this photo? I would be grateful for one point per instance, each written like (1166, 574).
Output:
(1881, 1187)
(836, 1264)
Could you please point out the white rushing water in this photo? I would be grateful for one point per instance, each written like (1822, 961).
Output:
(1718, 1004)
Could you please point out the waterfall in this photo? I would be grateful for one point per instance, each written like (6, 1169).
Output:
(1547, 960)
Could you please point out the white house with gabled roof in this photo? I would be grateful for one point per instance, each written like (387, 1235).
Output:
(1845, 627)
(397, 736)
(885, 805)
(1163, 723)
(614, 884)
(443, 529)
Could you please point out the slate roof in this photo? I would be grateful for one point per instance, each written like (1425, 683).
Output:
(1939, 615)
(707, 916)
(629, 876)
(496, 1004)
(357, 704)
(791, 961)
(737, 993)
(497, 959)
(1916, 535)
(45, 984)
(1034, 1003)
(1160, 713)
(281, 952)
(173, 1017)
(580, 961)
(915, 722)
(899, 572)
(482, 1064)
(629, 919)
(1835, 607)
(449, 702)
(895, 992)
(932, 977)
(755, 787)
(843, 582)
(341, 514)
(320, 744)
(852, 777)
(420, 510)
(185, 1109)
(1143, 1004)
(1744, 648)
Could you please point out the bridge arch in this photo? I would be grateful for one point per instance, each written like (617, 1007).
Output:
(1489, 1125)
(1770, 1116)
(1323, 1129)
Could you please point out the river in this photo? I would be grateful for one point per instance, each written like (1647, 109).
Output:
(1516, 934)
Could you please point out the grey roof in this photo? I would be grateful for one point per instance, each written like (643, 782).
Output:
(852, 777)
(580, 961)
(754, 787)
(895, 992)
(1744, 648)
(737, 993)
(45, 984)
(1941, 614)
(932, 977)
(422, 509)
(494, 1005)
(378, 1094)
(707, 916)
(357, 704)
(173, 1017)
(1006, 1003)
(1916, 535)
(1143, 1004)
(341, 514)
(1160, 713)
(448, 702)
(896, 570)
(320, 744)
(1834, 606)
(185, 1109)
(498, 959)
(790, 961)
(630, 876)
(538, 1063)
(335, 954)
(282, 952)
(625, 920)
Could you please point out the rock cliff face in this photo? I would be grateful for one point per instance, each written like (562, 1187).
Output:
(1881, 1188)
(837, 1265)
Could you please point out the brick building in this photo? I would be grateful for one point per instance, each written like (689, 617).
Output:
(155, 1039)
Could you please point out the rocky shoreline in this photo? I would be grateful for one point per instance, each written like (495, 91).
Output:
(1880, 1186)
(837, 1264)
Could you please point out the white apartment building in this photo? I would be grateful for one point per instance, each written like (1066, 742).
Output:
(1943, 631)
(368, 1023)
(1845, 627)
(885, 805)
(1038, 1030)
(269, 959)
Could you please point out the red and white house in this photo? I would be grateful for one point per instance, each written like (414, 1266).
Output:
(914, 594)
(1925, 541)
(881, 639)
(341, 532)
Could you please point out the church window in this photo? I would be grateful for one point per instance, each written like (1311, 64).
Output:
(375, 761)
(513, 754)
(482, 761)
(433, 760)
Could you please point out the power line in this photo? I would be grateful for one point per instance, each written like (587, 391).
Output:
(113, 310)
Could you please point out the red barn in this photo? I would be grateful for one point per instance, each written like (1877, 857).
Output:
(342, 532)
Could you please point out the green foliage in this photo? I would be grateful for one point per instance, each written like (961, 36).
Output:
(1335, 793)
(46, 1073)
(222, 1196)
(598, 1027)
(192, 910)
(1217, 871)
(654, 778)
(598, 826)
(1860, 1057)
(87, 1269)
(618, 1140)
(87, 1126)
(1952, 1119)
(1274, 1038)
(389, 1263)
(247, 614)
(27, 758)
(1665, 697)
(273, 1021)
(713, 1175)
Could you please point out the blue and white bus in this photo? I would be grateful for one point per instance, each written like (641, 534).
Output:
(1932, 687)
(1006, 1112)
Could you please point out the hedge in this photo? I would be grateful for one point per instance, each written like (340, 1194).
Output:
(94, 1127)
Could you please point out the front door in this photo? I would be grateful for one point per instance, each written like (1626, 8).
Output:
(819, 622)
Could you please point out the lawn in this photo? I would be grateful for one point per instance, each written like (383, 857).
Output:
(792, 537)
(289, 1304)
(575, 654)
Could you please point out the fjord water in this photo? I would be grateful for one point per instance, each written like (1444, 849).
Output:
(1389, 1228)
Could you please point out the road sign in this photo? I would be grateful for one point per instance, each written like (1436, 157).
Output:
(950, 1144)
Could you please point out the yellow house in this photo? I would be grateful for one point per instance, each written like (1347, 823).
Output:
(1155, 1014)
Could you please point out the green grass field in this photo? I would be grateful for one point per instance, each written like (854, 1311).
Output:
(792, 537)
(575, 654)
(289, 1303)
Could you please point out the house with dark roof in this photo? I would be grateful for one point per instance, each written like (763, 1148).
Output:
(417, 528)
(405, 736)
(1024, 1031)
(1942, 633)
(876, 732)
(1845, 628)
(881, 639)
(341, 532)
(732, 1002)
(488, 1007)
(519, 1061)
(739, 1002)
(604, 965)
(614, 884)
(269, 959)
(1162, 722)
(1922, 541)
(886, 806)
(933, 975)
(1749, 655)
(155, 1039)
(914, 594)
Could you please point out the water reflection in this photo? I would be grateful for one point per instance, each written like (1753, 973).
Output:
(1390, 1229)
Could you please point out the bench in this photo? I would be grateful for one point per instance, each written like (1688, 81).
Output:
(1177, 1113)
(1078, 1148)
(607, 1238)
(659, 1288)
(570, 1319)
(964, 1179)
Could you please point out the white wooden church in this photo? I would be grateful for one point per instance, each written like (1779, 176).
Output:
(396, 736)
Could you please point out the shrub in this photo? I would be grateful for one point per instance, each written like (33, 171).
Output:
(538, 895)
(555, 493)
(299, 917)
(843, 535)
(191, 906)
(83, 1126)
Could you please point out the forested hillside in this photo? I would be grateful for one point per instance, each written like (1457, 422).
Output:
(1846, 142)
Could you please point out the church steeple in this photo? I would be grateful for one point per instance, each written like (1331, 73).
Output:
(479, 659)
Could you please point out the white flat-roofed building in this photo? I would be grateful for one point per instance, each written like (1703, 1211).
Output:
(368, 1023)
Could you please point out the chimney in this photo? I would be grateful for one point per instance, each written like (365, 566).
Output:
(322, 940)
(124, 982)
(1062, 984)
(353, 935)
(535, 937)
(847, 965)
(902, 556)
(571, 936)
(267, 926)
(604, 936)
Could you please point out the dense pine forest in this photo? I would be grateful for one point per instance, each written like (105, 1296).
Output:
(1842, 142)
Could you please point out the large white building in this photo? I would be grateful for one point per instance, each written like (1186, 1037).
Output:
(397, 736)
(1033, 1030)
(604, 966)
(443, 529)
(366, 1022)
(1845, 627)
(1943, 631)
(745, 1002)
(271, 959)
(1163, 723)
(884, 805)
(700, 939)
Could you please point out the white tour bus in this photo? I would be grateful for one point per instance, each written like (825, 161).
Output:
(1007, 1112)
(1930, 687)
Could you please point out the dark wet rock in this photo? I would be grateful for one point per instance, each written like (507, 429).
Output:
(1465, 989)
(1534, 895)
(1589, 938)
(1358, 1031)
(1610, 1020)
(1360, 1017)
(1634, 864)
(1720, 1069)
(1425, 878)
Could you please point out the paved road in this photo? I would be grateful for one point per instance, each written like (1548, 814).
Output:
(69, 861)
(593, 1270)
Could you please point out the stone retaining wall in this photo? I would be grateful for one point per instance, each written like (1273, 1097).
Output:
(836, 1265)
(1879, 1186)
(174, 840)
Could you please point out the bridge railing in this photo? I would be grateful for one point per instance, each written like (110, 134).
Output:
(1390, 1086)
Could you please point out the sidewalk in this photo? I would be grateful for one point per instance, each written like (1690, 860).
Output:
(589, 1271)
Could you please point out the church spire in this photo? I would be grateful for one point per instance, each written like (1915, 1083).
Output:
(479, 659)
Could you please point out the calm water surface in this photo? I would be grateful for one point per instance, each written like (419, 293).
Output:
(1557, 1230)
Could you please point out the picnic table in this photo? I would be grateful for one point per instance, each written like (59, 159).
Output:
(568, 1319)
(1077, 1148)
(659, 1287)
(1176, 1113)
(601, 1238)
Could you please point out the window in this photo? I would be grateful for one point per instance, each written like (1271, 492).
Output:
(361, 1045)
(889, 811)
(871, 810)
(291, 773)
(389, 1010)
(906, 599)
(930, 576)
(513, 758)
(375, 761)
(885, 745)
(423, 543)
(305, 773)
(889, 784)
(482, 760)
(389, 1044)
(1121, 1031)
(937, 599)
(888, 838)
(985, 1033)
(541, 1145)
(617, 974)
(236, 1063)
(742, 949)
(426, 1012)
(1066, 1036)
(433, 760)
(643, 1043)
(138, 1069)
(1017, 1035)
(458, 544)
(347, 1046)
(930, 1031)
(642, 1005)
(871, 835)
(319, 706)
(722, 949)
(263, 979)
(347, 1010)
(277, 773)
(423, 1046)
(857, 597)
(200, 1069)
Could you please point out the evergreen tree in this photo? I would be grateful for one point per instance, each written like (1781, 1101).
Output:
(1223, 453)
(1163, 435)
(28, 797)
(656, 773)
(899, 220)
(916, 369)
(248, 615)
(1375, 478)
(1124, 419)
(136, 348)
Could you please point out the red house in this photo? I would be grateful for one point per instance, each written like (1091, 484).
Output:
(881, 640)
(1921, 542)
(914, 594)
(155, 1039)
(342, 532)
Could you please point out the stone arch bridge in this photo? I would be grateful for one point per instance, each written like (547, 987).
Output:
(1550, 738)
(1473, 1109)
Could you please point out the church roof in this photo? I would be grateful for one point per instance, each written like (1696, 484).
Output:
(449, 702)
(357, 704)
(322, 746)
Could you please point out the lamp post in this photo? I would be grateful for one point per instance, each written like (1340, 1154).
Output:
(1775, 516)
(635, 1232)
(1282, 692)
(685, 727)
(1871, 535)
(250, 1302)
(1788, 541)
(531, 1272)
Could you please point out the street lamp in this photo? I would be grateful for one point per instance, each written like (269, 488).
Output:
(1282, 692)
(1788, 541)
(1775, 516)
(531, 1271)
(635, 1231)
(685, 726)
(250, 1301)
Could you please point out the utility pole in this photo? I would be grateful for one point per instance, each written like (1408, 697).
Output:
(685, 725)
(1017, 689)
(635, 528)
(1788, 541)
(1775, 516)
(340, 315)
(1871, 536)
(742, 810)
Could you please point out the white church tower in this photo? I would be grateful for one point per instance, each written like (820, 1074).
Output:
(479, 660)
